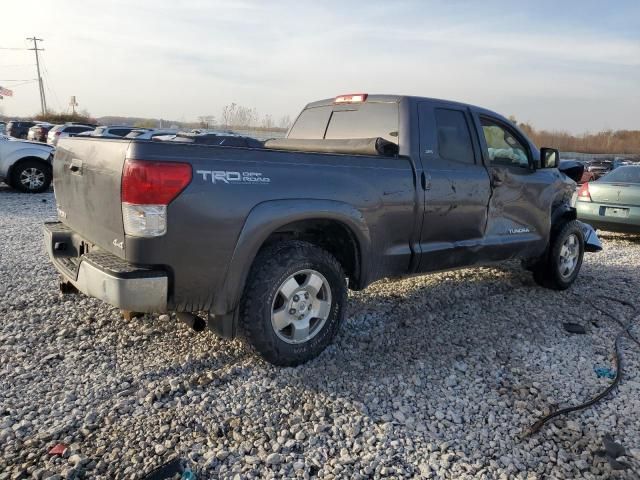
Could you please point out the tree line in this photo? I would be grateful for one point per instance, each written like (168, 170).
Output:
(235, 115)
(605, 141)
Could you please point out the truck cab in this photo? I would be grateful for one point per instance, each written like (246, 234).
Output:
(481, 190)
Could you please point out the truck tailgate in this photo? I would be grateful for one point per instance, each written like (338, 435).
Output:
(87, 180)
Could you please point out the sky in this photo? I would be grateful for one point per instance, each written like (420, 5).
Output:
(568, 65)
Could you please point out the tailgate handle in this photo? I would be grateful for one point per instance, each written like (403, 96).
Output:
(76, 167)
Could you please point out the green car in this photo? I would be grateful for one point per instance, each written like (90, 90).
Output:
(613, 201)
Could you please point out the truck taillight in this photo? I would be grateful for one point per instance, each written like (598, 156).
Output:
(351, 98)
(147, 189)
(583, 193)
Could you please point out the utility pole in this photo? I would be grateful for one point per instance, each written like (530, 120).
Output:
(43, 100)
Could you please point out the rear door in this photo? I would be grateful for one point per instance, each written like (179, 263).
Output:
(455, 185)
(86, 179)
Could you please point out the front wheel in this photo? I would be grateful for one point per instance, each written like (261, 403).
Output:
(293, 303)
(561, 265)
(31, 176)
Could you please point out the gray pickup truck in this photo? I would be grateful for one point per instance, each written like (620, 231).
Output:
(264, 242)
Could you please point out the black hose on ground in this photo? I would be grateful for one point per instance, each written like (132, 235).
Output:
(617, 363)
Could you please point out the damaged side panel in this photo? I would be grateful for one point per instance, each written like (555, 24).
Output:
(520, 211)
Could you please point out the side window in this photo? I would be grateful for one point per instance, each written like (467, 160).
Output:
(120, 132)
(454, 138)
(504, 148)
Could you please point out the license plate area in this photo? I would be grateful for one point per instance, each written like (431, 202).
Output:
(614, 212)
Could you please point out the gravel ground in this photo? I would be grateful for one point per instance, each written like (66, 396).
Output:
(431, 377)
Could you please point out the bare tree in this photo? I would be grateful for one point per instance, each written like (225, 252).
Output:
(234, 115)
(228, 114)
(207, 121)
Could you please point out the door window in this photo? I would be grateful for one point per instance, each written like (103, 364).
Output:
(503, 146)
(454, 138)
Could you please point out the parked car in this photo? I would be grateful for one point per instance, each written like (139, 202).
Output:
(613, 201)
(38, 133)
(19, 129)
(264, 239)
(66, 130)
(3, 128)
(598, 168)
(24, 165)
(620, 162)
(114, 131)
(150, 134)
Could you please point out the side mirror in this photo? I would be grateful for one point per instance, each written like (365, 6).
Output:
(549, 157)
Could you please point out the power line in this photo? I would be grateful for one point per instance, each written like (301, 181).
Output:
(48, 84)
(24, 83)
(13, 48)
(43, 100)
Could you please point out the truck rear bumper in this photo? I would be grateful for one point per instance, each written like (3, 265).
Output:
(103, 275)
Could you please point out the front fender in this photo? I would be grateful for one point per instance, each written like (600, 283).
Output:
(268, 217)
(29, 152)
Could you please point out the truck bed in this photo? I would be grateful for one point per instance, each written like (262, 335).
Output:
(230, 187)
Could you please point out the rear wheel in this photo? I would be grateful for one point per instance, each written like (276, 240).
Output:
(293, 303)
(31, 176)
(561, 265)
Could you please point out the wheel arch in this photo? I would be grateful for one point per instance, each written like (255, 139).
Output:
(562, 214)
(315, 221)
(20, 160)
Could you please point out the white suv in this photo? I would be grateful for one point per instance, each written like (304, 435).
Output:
(115, 131)
(25, 166)
(142, 134)
(66, 130)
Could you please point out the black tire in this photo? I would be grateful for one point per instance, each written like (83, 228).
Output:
(550, 272)
(26, 167)
(272, 268)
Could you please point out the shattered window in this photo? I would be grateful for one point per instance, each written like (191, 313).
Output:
(503, 147)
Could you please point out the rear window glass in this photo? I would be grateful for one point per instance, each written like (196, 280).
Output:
(622, 175)
(368, 120)
(454, 138)
(121, 132)
(311, 123)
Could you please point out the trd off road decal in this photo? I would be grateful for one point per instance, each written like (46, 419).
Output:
(223, 176)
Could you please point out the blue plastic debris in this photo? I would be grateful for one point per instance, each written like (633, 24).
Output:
(170, 469)
(604, 372)
(188, 474)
